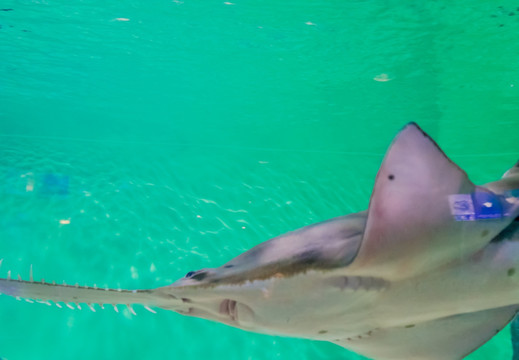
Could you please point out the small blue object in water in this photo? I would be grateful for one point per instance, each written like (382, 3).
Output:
(54, 184)
(19, 182)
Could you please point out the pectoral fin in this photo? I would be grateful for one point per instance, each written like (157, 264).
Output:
(448, 338)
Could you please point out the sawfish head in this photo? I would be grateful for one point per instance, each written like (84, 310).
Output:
(269, 288)
(328, 281)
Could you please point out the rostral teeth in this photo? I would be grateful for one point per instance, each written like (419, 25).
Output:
(131, 309)
(149, 309)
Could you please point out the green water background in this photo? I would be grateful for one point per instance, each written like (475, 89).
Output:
(190, 131)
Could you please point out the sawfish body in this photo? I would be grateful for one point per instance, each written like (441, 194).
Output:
(429, 271)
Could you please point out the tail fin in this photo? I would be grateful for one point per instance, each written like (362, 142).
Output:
(44, 292)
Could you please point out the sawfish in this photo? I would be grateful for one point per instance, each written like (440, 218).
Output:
(429, 271)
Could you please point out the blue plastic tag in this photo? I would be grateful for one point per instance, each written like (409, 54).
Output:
(482, 205)
(462, 207)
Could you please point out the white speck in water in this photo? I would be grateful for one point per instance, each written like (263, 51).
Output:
(382, 78)
(309, 23)
(122, 19)
(152, 267)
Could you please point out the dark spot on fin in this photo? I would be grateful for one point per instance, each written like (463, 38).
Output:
(323, 331)
(391, 177)
(228, 266)
(409, 326)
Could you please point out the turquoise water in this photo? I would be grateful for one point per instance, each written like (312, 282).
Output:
(158, 137)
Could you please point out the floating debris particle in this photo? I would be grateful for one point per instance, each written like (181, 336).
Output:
(382, 78)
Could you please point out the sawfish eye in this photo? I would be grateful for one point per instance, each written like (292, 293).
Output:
(189, 274)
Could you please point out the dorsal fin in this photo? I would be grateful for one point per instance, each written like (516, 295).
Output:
(412, 222)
